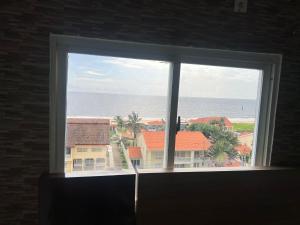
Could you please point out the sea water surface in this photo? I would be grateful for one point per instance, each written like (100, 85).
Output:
(109, 105)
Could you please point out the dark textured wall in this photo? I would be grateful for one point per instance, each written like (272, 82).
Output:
(269, 26)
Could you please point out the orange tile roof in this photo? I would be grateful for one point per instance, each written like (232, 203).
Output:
(243, 149)
(206, 120)
(185, 141)
(134, 152)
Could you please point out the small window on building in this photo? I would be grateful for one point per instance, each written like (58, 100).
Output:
(88, 164)
(199, 154)
(135, 163)
(77, 164)
(68, 153)
(96, 149)
(158, 155)
(81, 149)
(100, 163)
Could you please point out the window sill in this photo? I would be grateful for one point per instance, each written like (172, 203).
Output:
(212, 169)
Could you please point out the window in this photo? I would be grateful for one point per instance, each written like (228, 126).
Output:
(77, 164)
(135, 163)
(100, 163)
(89, 164)
(199, 154)
(81, 149)
(182, 154)
(158, 155)
(122, 94)
(179, 165)
(68, 152)
(226, 102)
(96, 149)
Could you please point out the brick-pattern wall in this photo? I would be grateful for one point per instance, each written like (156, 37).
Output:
(269, 26)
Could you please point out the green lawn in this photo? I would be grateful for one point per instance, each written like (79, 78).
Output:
(243, 127)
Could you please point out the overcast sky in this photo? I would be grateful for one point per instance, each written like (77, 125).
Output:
(89, 73)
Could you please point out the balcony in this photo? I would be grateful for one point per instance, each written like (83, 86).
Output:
(183, 160)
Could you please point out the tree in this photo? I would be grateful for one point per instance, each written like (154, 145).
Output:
(120, 122)
(134, 124)
(223, 141)
(220, 123)
(219, 152)
(208, 130)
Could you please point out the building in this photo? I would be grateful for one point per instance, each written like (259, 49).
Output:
(135, 156)
(190, 149)
(244, 154)
(246, 138)
(208, 120)
(87, 142)
(243, 149)
(155, 125)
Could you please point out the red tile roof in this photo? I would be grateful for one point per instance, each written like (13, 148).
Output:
(243, 149)
(87, 131)
(185, 141)
(207, 120)
(134, 152)
(87, 120)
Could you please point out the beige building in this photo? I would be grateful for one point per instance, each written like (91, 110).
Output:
(87, 144)
(246, 139)
(190, 149)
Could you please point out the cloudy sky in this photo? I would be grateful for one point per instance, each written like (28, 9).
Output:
(89, 73)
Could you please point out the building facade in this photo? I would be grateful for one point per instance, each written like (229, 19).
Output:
(190, 149)
(87, 145)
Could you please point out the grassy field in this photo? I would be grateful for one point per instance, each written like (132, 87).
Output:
(243, 127)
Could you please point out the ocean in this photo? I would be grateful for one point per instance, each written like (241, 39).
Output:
(108, 105)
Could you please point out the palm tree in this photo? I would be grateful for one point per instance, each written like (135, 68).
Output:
(220, 123)
(120, 122)
(134, 123)
(224, 141)
(218, 153)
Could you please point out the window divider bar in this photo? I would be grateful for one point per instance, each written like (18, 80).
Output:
(171, 122)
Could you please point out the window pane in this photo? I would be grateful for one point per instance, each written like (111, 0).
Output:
(114, 105)
(219, 110)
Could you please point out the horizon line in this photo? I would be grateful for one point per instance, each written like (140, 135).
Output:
(88, 92)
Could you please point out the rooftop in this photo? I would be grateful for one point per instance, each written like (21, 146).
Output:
(243, 149)
(156, 122)
(134, 152)
(185, 141)
(87, 131)
(207, 120)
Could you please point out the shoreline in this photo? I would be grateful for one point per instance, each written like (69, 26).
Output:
(147, 119)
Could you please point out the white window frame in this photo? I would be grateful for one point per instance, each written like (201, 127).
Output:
(61, 45)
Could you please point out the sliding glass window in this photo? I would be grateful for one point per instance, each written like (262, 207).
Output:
(118, 107)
